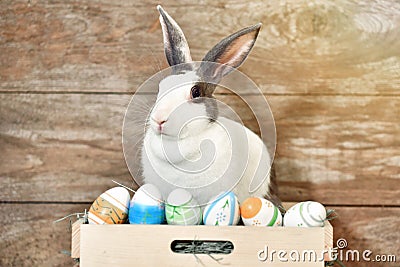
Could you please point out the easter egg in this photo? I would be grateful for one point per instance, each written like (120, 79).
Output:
(305, 214)
(146, 206)
(182, 209)
(260, 212)
(111, 207)
(222, 210)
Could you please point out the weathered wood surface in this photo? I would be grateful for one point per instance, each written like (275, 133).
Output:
(68, 147)
(330, 71)
(318, 47)
(29, 237)
(365, 228)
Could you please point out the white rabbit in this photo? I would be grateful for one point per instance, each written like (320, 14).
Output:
(188, 144)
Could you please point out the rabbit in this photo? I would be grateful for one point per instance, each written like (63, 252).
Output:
(187, 144)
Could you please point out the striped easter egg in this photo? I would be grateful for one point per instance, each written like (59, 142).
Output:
(182, 208)
(305, 214)
(260, 212)
(111, 207)
(222, 210)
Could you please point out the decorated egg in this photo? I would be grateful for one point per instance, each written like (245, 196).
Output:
(182, 209)
(111, 207)
(147, 206)
(222, 210)
(260, 212)
(305, 214)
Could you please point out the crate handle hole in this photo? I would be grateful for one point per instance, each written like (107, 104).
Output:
(202, 246)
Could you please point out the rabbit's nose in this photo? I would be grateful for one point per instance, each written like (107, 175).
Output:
(160, 125)
(160, 122)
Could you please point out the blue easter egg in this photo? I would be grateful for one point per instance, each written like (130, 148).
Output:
(147, 206)
(146, 214)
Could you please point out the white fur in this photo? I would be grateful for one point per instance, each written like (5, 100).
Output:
(183, 148)
(192, 152)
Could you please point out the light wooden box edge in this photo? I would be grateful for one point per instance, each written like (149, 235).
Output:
(76, 230)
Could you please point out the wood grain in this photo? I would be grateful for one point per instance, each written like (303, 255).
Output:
(67, 153)
(29, 237)
(376, 229)
(76, 238)
(338, 150)
(243, 254)
(321, 47)
(330, 71)
(343, 147)
(211, 234)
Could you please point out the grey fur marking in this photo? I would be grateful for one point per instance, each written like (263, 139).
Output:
(173, 43)
(214, 72)
(273, 190)
(215, 54)
(206, 97)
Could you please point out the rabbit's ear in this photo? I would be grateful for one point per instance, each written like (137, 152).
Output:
(231, 52)
(175, 44)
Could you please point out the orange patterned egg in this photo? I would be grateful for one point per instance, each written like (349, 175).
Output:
(260, 212)
(250, 207)
(111, 207)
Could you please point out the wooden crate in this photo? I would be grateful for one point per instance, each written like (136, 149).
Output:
(150, 245)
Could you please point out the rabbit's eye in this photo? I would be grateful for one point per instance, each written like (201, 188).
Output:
(195, 91)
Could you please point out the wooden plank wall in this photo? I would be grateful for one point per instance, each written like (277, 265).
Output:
(329, 69)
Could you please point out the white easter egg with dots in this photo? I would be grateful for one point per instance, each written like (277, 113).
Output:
(258, 211)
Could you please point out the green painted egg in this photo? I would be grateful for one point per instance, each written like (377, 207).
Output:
(182, 209)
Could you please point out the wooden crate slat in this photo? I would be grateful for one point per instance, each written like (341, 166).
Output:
(113, 47)
(147, 245)
(326, 145)
(31, 226)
